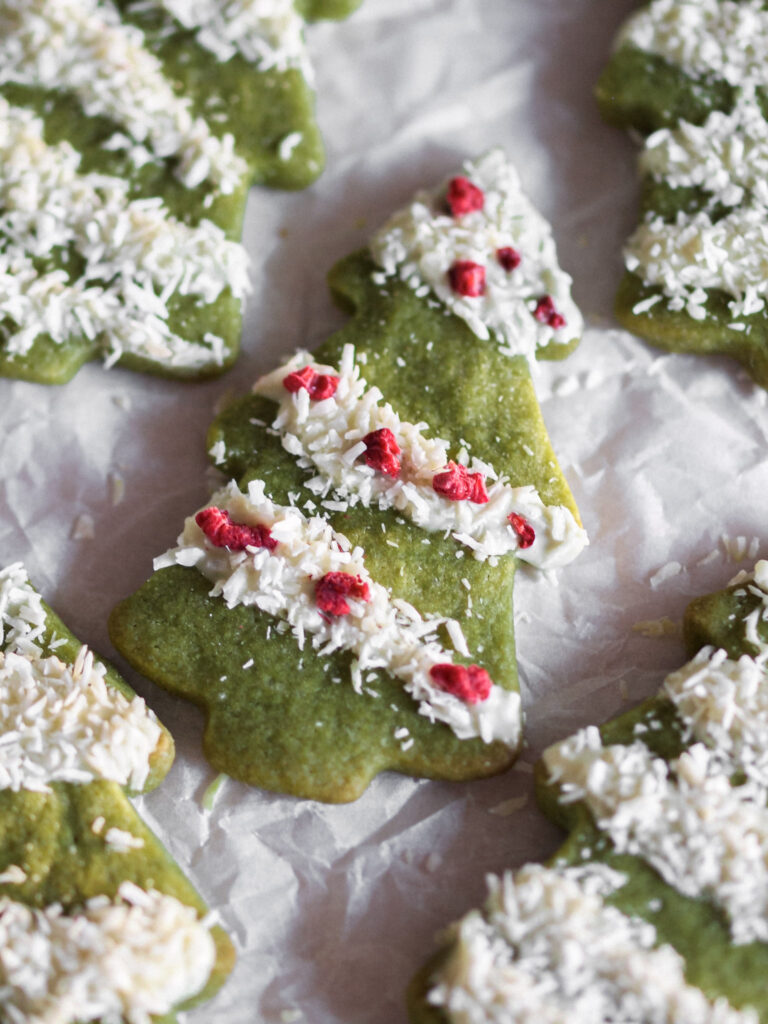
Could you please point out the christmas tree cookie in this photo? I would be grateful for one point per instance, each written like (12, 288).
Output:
(129, 134)
(97, 922)
(656, 908)
(690, 75)
(344, 605)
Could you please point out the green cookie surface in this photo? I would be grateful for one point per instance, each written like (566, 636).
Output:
(260, 108)
(695, 928)
(59, 838)
(54, 632)
(645, 92)
(283, 723)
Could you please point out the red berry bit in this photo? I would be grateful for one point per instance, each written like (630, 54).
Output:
(218, 527)
(382, 452)
(526, 534)
(319, 385)
(546, 313)
(332, 589)
(508, 258)
(471, 684)
(457, 484)
(463, 197)
(467, 278)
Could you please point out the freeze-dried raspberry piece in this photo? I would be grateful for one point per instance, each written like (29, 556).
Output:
(332, 589)
(457, 484)
(469, 683)
(217, 525)
(319, 385)
(467, 278)
(525, 532)
(546, 313)
(508, 257)
(382, 451)
(463, 197)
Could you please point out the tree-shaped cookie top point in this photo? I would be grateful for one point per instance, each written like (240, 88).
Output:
(478, 245)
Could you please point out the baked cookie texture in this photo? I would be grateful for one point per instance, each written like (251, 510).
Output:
(97, 920)
(655, 907)
(690, 77)
(318, 669)
(129, 134)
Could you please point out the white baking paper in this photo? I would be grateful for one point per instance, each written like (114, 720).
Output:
(333, 908)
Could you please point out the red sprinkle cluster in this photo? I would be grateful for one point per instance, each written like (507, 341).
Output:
(457, 484)
(546, 313)
(467, 278)
(319, 385)
(508, 258)
(382, 452)
(463, 197)
(471, 684)
(526, 534)
(218, 527)
(332, 589)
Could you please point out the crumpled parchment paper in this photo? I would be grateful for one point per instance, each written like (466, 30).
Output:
(333, 908)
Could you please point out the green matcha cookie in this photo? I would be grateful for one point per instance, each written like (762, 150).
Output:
(362, 565)
(97, 922)
(692, 78)
(129, 134)
(656, 908)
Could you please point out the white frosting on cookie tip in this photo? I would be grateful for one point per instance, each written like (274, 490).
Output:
(420, 243)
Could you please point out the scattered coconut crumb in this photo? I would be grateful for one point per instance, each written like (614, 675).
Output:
(123, 841)
(665, 573)
(97, 825)
(657, 627)
(713, 555)
(739, 548)
(509, 807)
(84, 527)
(13, 875)
(218, 452)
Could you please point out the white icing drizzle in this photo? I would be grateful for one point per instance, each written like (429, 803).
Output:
(63, 723)
(693, 254)
(268, 33)
(327, 435)
(384, 633)
(22, 616)
(757, 586)
(724, 703)
(703, 835)
(710, 38)
(82, 46)
(129, 959)
(421, 242)
(136, 255)
(547, 949)
(727, 155)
